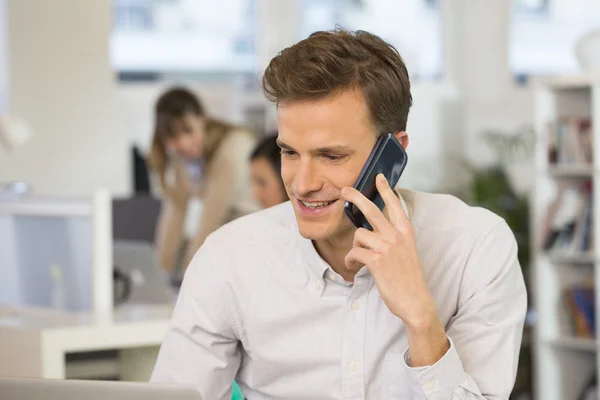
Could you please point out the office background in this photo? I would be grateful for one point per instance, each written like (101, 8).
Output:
(78, 82)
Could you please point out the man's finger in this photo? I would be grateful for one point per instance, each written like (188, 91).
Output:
(369, 240)
(368, 208)
(393, 204)
(358, 257)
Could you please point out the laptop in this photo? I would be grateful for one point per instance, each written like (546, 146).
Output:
(134, 255)
(64, 389)
(149, 284)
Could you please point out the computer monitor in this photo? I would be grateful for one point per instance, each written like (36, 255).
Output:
(56, 252)
(135, 218)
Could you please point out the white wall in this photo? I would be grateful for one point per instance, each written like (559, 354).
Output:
(61, 83)
(3, 58)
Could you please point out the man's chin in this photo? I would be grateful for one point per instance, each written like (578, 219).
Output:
(313, 231)
(316, 231)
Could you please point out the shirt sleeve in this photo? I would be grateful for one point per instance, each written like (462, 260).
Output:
(201, 344)
(485, 334)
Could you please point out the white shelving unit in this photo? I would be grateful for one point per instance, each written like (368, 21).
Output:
(563, 363)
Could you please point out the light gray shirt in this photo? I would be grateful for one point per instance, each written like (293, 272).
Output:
(259, 305)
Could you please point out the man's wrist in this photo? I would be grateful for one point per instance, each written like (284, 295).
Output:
(422, 319)
(427, 338)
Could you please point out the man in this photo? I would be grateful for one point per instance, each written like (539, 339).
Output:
(294, 302)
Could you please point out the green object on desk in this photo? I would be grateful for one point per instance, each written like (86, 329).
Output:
(237, 392)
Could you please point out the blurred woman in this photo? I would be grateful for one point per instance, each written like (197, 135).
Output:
(196, 155)
(265, 170)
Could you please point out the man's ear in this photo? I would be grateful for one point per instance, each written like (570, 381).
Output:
(402, 137)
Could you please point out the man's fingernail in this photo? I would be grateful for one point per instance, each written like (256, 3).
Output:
(382, 179)
(346, 190)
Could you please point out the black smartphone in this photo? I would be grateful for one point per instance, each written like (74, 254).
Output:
(388, 158)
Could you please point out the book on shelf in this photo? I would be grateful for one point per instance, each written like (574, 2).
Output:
(567, 228)
(570, 141)
(580, 301)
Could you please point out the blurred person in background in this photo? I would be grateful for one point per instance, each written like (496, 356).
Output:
(196, 155)
(265, 172)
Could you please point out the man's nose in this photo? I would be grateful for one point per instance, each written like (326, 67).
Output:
(306, 179)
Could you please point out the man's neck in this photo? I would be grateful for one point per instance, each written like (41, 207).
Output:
(334, 250)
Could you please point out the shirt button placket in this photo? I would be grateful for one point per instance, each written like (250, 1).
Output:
(353, 384)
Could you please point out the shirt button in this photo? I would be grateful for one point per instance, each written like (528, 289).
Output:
(318, 286)
(352, 367)
(333, 277)
(430, 385)
(355, 305)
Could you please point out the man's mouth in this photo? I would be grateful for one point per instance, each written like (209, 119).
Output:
(316, 204)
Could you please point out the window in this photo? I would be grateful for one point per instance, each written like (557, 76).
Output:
(412, 26)
(183, 36)
(544, 33)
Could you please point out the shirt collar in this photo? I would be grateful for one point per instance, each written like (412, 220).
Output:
(316, 266)
(405, 196)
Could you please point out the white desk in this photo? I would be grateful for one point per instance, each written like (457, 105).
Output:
(34, 342)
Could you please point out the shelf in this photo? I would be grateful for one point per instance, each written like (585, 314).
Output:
(564, 192)
(92, 369)
(571, 81)
(575, 343)
(561, 257)
(571, 171)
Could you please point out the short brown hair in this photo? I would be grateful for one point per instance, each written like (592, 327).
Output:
(328, 62)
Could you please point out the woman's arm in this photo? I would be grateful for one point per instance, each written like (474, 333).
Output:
(172, 220)
(227, 172)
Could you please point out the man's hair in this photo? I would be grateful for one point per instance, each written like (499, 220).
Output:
(329, 62)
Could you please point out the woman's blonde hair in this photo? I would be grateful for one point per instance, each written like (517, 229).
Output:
(172, 105)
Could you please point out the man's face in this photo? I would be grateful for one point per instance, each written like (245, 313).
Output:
(325, 144)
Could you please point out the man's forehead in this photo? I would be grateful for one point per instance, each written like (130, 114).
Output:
(324, 142)
(340, 100)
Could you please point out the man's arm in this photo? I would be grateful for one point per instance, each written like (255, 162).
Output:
(200, 346)
(485, 334)
(476, 357)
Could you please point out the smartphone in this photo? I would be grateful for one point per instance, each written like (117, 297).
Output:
(388, 158)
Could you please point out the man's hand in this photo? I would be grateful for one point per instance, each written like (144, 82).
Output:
(391, 255)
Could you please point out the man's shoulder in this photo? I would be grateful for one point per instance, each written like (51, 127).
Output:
(248, 250)
(444, 212)
(262, 228)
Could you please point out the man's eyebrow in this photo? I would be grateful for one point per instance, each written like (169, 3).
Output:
(283, 145)
(341, 149)
(336, 149)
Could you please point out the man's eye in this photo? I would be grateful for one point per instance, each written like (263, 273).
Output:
(287, 152)
(332, 157)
